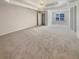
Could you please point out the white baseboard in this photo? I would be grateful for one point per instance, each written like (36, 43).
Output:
(14, 30)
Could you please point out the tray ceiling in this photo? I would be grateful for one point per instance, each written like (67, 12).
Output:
(44, 3)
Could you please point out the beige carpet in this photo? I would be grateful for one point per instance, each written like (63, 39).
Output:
(39, 43)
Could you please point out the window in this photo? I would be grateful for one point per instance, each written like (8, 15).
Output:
(57, 17)
(60, 17)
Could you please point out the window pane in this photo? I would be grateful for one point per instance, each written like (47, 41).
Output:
(57, 15)
(61, 15)
(61, 18)
(57, 18)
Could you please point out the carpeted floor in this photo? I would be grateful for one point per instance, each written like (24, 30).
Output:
(39, 43)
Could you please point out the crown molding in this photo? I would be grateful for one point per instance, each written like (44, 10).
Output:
(27, 5)
(32, 5)
(64, 6)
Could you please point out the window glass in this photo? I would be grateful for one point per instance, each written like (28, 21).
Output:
(60, 17)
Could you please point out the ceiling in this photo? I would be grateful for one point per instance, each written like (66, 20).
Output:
(40, 4)
(37, 1)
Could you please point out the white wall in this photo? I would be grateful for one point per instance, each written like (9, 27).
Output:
(52, 18)
(14, 18)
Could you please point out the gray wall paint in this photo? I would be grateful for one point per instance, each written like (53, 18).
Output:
(73, 18)
(14, 18)
(78, 19)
